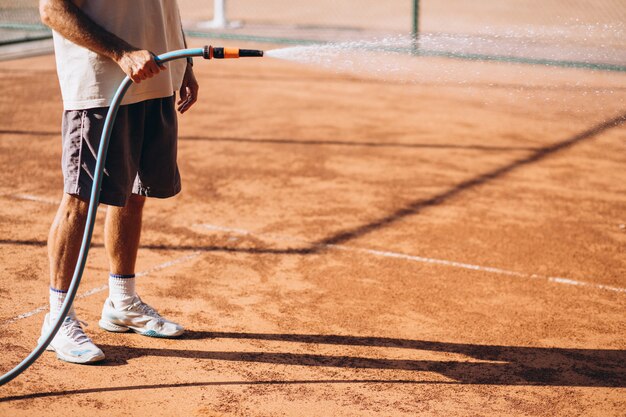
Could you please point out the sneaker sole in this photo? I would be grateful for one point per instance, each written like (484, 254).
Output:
(116, 328)
(74, 359)
(112, 327)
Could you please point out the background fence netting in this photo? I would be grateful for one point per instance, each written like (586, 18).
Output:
(558, 32)
(568, 32)
(19, 21)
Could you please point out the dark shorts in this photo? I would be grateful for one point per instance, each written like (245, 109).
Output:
(142, 152)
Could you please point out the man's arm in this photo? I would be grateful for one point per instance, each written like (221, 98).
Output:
(69, 21)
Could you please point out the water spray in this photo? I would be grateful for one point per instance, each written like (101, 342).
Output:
(208, 52)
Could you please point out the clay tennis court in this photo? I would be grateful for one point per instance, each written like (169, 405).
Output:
(344, 246)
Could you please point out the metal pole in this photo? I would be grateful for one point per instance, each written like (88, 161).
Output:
(219, 14)
(416, 28)
(219, 18)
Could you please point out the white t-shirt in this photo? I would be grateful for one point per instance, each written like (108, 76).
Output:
(90, 80)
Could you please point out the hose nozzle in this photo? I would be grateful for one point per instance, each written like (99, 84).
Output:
(221, 53)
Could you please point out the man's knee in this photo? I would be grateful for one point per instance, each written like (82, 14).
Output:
(73, 206)
(135, 203)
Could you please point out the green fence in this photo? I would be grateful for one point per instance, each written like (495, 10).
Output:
(19, 22)
(569, 33)
(588, 34)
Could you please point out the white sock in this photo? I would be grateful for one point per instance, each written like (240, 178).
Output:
(57, 297)
(121, 287)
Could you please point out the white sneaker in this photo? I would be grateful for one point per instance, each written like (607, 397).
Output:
(139, 317)
(71, 343)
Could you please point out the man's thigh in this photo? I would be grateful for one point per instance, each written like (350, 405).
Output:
(142, 144)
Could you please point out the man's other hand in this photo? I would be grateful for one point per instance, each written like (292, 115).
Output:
(188, 91)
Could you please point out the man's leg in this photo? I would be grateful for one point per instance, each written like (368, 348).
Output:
(122, 231)
(64, 240)
(124, 310)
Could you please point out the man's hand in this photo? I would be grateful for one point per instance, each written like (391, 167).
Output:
(188, 91)
(139, 64)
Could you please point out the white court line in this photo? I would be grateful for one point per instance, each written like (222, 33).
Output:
(387, 254)
(39, 199)
(454, 264)
(36, 198)
(97, 290)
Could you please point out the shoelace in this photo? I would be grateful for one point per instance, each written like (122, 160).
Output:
(146, 309)
(72, 329)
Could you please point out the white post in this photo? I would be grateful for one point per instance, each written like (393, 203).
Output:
(219, 17)
(219, 13)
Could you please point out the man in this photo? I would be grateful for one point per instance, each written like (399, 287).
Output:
(97, 43)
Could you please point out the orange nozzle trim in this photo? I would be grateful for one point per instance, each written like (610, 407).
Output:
(231, 52)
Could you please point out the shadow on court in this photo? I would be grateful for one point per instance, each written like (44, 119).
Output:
(215, 383)
(410, 209)
(483, 364)
(312, 142)
(330, 142)
(418, 205)
(498, 365)
(504, 365)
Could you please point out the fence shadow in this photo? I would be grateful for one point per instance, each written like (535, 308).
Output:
(478, 364)
(62, 393)
(501, 365)
(409, 209)
(506, 365)
(368, 144)
(311, 142)
(416, 206)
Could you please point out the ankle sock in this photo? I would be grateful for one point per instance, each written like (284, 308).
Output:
(57, 297)
(121, 287)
